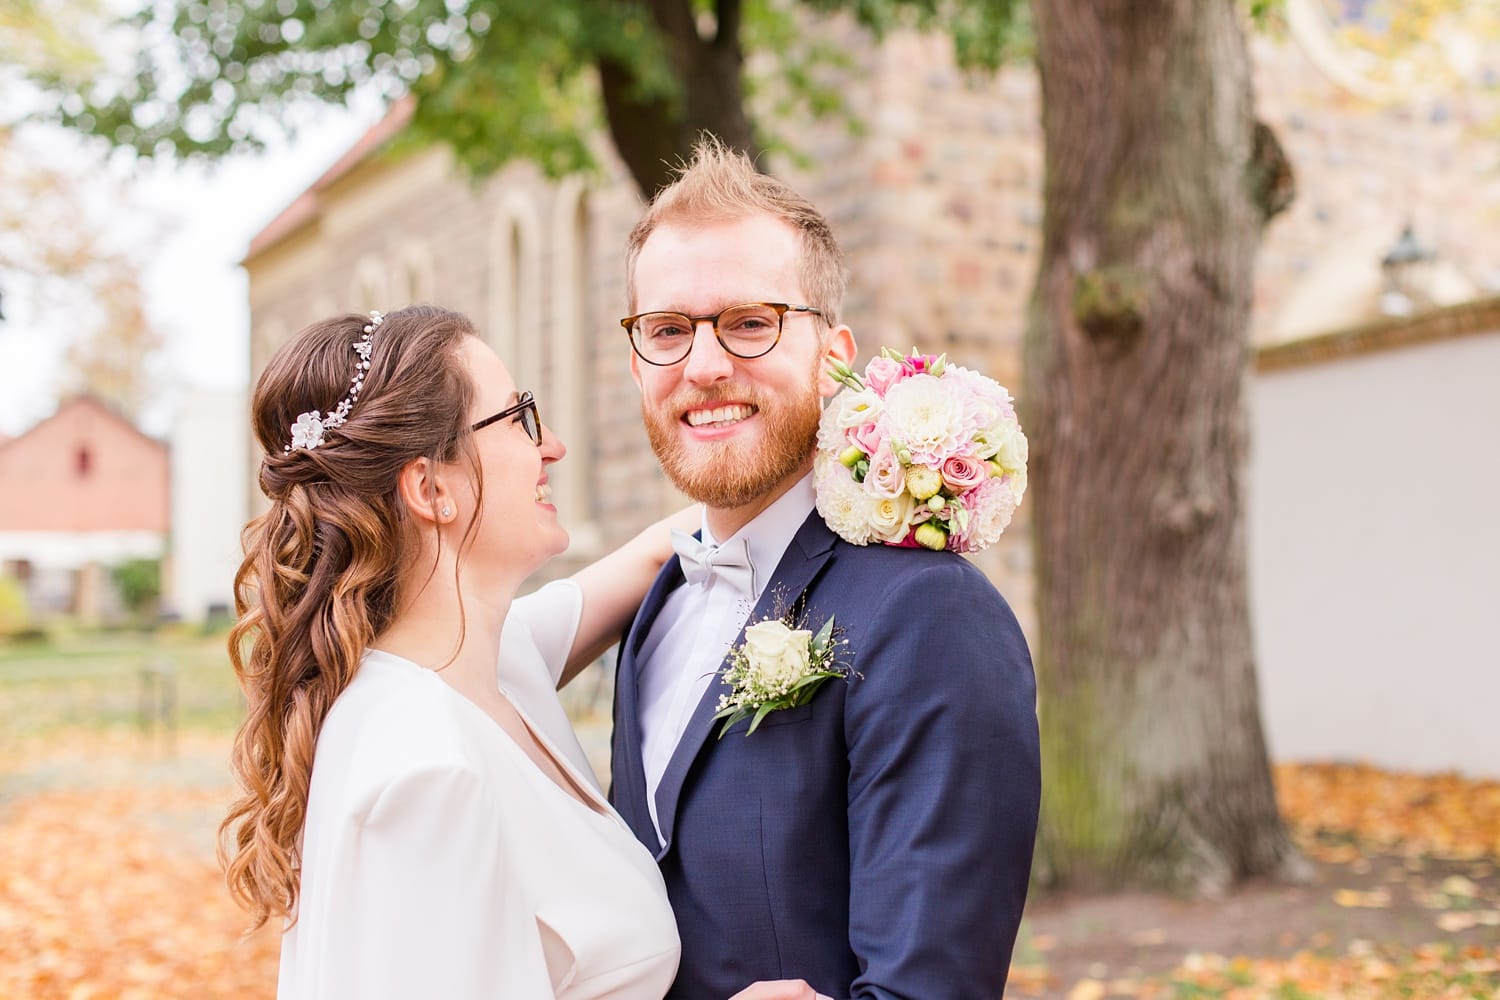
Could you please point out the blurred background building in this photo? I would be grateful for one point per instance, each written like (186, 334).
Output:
(1370, 508)
(82, 493)
(209, 469)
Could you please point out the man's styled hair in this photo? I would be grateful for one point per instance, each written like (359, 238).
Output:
(720, 184)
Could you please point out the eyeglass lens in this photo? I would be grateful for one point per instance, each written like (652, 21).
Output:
(747, 331)
(531, 421)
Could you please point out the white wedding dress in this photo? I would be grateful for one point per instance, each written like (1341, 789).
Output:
(438, 861)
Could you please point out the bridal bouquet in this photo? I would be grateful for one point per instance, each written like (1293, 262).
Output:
(919, 452)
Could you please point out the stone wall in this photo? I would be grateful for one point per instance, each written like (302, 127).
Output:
(1363, 172)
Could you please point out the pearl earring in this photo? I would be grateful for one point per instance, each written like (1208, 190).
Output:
(447, 511)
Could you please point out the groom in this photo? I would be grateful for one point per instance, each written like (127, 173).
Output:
(876, 841)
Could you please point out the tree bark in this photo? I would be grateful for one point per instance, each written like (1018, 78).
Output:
(1157, 189)
(654, 134)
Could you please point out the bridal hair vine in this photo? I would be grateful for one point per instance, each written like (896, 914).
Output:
(310, 427)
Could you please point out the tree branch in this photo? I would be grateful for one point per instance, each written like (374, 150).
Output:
(729, 15)
(651, 133)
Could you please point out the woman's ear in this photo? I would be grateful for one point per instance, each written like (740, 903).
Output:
(425, 489)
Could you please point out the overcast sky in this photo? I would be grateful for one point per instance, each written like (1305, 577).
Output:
(196, 292)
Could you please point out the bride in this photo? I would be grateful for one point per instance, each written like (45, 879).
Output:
(415, 804)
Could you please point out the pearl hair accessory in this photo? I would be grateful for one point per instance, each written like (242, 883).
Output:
(310, 427)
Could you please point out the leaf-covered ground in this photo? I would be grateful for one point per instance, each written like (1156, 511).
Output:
(1404, 902)
(108, 888)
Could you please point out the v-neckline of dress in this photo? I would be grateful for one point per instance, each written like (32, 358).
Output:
(596, 805)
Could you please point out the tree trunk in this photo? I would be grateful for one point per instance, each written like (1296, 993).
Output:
(1158, 184)
(652, 134)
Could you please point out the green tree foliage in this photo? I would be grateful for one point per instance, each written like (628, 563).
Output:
(496, 80)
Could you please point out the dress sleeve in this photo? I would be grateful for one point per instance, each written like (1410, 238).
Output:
(428, 903)
(550, 616)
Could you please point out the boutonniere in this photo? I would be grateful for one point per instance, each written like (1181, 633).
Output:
(779, 665)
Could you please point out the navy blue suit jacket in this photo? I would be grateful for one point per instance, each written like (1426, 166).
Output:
(876, 841)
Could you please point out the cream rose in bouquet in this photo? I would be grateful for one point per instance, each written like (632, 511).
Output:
(919, 452)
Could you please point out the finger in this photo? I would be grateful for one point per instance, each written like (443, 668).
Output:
(778, 989)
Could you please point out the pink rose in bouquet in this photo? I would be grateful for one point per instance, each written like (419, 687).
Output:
(882, 373)
(963, 472)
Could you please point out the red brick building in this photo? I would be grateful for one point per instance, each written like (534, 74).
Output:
(81, 491)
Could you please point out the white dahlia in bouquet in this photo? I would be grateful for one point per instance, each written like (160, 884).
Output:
(919, 452)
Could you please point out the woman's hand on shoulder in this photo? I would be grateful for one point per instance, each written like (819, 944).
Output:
(778, 989)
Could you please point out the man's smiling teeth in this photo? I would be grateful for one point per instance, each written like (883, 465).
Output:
(719, 415)
(543, 493)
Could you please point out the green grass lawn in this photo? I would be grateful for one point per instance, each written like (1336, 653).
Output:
(93, 681)
(104, 680)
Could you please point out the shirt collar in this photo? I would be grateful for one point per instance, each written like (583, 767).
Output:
(772, 530)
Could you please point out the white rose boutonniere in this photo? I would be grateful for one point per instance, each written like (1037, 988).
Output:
(778, 666)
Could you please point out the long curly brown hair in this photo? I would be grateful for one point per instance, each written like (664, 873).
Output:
(323, 566)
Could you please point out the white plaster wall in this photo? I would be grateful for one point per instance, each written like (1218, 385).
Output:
(68, 550)
(1374, 488)
(209, 486)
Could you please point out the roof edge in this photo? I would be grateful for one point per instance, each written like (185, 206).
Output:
(1465, 319)
(90, 399)
(306, 207)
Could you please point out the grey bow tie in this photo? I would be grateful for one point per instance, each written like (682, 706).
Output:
(700, 563)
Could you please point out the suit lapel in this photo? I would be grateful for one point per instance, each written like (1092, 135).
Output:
(627, 773)
(803, 559)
